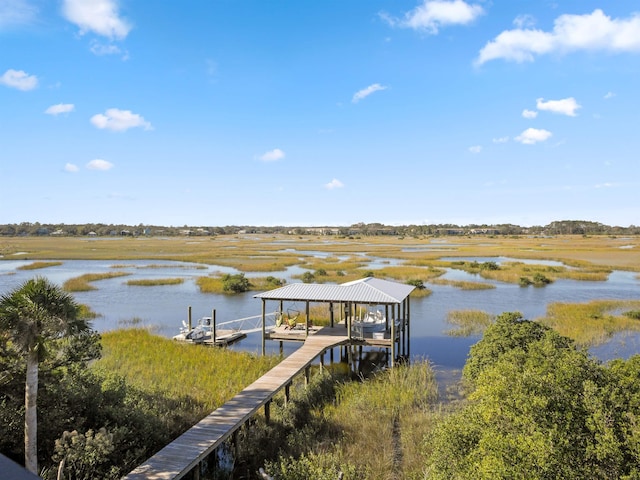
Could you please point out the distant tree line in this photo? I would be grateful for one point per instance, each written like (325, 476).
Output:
(561, 227)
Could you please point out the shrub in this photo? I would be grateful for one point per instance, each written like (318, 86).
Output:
(235, 283)
(308, 277)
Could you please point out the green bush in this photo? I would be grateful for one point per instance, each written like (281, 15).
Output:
(237, 283)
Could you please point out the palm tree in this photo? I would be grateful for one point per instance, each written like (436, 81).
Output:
(31, 316)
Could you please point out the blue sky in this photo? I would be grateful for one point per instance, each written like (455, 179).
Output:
(221, 112)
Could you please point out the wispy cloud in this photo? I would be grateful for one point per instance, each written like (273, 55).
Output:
(101, 17)
(71, 168)
(432, 15)
(475, 148)
(591, 32)
(335, 183)
(365, 92)
(609, 95)
(533, 135)
(119, 120)
(60, 108)
(99, 164)
(529, 113)
(101, 49)
(501, 140)
(19, 79)
(566, 106)
(272, 155)
(16, 12)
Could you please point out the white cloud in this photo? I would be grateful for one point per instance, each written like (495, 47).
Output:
(609, 95)
(524, 21)
(16, 12)
(99, 164)
(98, 16)
(70, 167)
(533, 135)
(501, 140)
(435, 14)
(19, 79)
(59, 108)
(101, 49)
(119, 120)
(272, 155)
(475, 149)
(529, 113)
(335, 183)
(593, 32)
(365, 92)
(566, 106)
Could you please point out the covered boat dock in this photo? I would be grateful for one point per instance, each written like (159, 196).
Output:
(345, 301)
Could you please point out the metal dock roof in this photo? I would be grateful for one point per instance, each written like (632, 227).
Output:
(369, 290)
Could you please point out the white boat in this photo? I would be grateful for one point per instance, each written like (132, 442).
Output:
(372, 321)
(198, 333)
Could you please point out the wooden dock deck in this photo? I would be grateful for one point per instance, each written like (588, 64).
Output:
(188, 450)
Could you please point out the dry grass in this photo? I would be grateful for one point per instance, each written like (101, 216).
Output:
(155, 282)
(81, 283)
(39, 265)
(463, 285)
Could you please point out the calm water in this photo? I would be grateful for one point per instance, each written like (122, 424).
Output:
(165, 307)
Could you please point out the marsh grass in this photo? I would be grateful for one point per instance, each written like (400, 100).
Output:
(38, 265)
(82, 283)
(463, 285)
(383, 420)
(157, 365)
(468, 322)
(594, 322)
(155, 282)
(272, 252)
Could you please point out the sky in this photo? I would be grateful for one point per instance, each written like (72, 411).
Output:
(327, 112)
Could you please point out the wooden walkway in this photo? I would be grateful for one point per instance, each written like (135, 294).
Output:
(188, 450)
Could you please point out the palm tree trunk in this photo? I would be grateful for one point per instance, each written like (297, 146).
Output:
(31, 414)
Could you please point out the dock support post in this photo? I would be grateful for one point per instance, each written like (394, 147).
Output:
(307, 319)
(408, 328)
(287, 393)
(189, 317)
(322, 361)
(267, 412)
(307, 376)
(213, 326)
(264, 328)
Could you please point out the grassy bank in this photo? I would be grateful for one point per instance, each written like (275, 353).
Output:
(209, 376)
(82, 283)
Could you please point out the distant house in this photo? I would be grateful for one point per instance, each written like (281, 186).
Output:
(92, 234)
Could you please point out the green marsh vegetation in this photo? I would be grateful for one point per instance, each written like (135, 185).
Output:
(462, 284)
(155, 282)
(209, 376)
(82, 283)
(468, 322)
(594, 322)
(39, 265)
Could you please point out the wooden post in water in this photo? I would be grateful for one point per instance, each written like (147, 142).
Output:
(264, 328)
(213, 327)
(189, 317)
